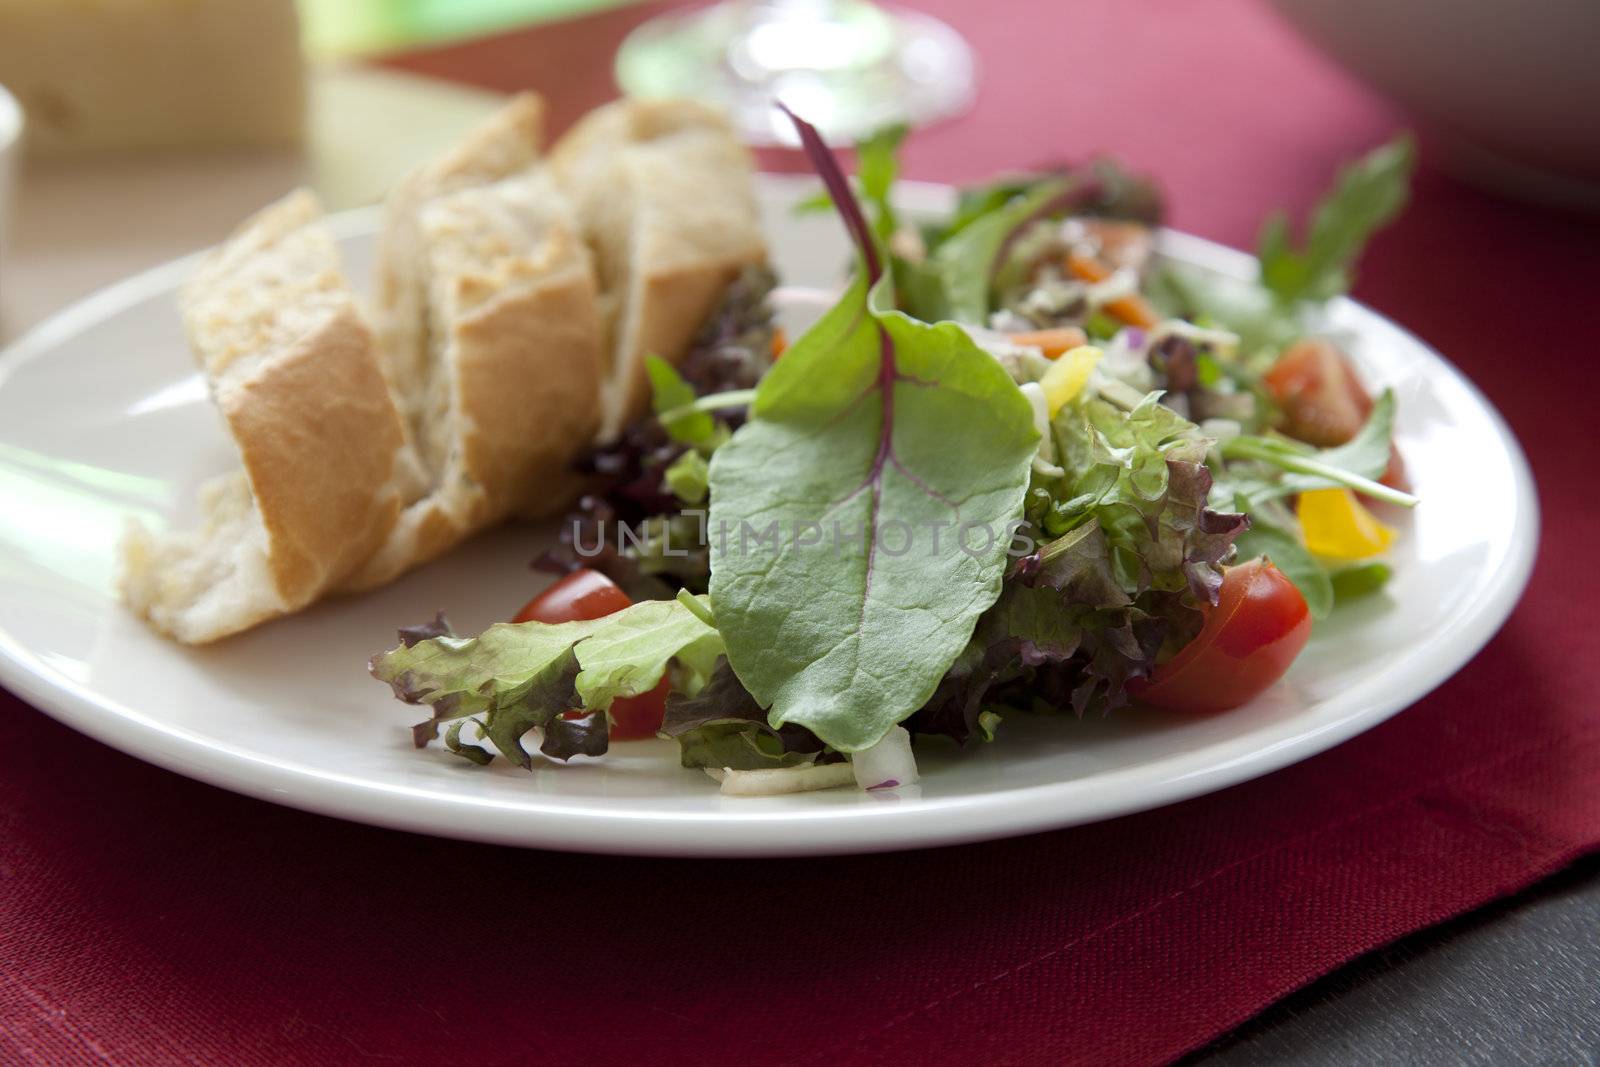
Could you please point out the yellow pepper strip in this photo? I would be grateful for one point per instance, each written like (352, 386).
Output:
(1068, 375)
(1338, 527)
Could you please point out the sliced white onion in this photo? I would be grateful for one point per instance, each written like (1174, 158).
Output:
(777, 781)
(888, 763)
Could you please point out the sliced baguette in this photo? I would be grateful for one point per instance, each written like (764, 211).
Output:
(512, 391)
(665, 194)
(291, 364)
(505, 144)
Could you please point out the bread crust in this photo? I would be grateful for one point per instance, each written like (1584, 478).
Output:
(526, 428)
(665, 193)
(504, 144)
(515, 365)
(292, 366)
(318, 437)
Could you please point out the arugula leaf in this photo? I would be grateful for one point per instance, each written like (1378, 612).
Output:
(671, 393)
(1366, 195)
(520, 676)
(974, 202)
(1357, 464)
(1270, 314)
(1120, 194)
(1296, 468)
(723, 726)
(1366, 454)
(883, 435)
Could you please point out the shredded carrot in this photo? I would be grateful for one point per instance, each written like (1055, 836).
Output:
(1134, 309)
(1051, 342)
(780, 341)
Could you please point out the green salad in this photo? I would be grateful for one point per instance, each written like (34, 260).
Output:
(1023, 466)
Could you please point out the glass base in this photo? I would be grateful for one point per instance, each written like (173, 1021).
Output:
(847, 66)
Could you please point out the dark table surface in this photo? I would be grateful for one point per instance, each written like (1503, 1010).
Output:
(1517, 983)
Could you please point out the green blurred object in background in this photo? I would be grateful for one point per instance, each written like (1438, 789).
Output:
(346, 27)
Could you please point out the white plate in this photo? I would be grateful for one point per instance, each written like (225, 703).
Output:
(101, 414)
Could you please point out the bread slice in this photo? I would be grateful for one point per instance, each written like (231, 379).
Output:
(505, 144)
(511, 380)
(665, 194)
(292, 365)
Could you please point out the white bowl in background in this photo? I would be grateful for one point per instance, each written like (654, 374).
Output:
(10, 149)
(1510, 87)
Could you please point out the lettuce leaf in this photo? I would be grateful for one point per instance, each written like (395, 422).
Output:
(516, 677)
(1132, 555)
(723, 726)
(1027, 627)
(882, 435)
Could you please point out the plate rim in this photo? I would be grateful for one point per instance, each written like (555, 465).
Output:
(825, 830)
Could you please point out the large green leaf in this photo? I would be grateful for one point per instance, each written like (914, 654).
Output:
(872, 421)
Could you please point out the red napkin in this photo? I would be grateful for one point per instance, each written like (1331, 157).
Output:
(147, 919)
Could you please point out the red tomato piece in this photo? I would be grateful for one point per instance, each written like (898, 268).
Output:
(588, 594)
(1321, 397)
(636, 718)
(583, 594)
(1326, 404)
(1258, 627)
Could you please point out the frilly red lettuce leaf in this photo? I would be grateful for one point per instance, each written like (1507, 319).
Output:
(517, 677)
(1132, 554)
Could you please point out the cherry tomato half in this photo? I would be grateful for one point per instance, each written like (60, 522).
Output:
(1324, 400)
(636, 718)
(1317, 388)
(1258, 627)
(588, 594)
(583, 594)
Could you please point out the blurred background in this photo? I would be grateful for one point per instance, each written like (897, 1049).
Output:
(364, 27)
(153, 125)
